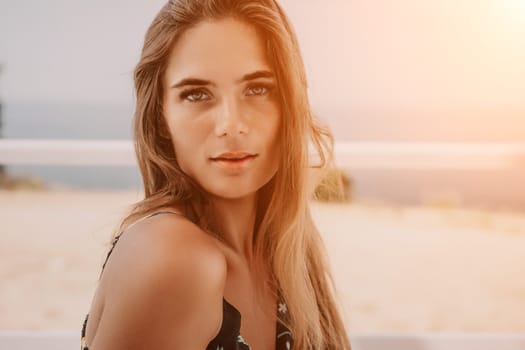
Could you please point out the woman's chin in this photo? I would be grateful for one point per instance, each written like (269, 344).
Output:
(232, 191)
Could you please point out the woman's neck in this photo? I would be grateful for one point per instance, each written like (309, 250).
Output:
(233, 220)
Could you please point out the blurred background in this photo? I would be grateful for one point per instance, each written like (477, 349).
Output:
(425, 98)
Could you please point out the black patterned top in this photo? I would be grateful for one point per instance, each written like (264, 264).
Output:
(229, 337)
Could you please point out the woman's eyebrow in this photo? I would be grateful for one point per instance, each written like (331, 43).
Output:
(202, 82)
(255, 75)
(192, 81)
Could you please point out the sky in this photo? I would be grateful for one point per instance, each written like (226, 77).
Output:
(447, 70)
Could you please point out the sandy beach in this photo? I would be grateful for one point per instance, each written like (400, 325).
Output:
(397, 268)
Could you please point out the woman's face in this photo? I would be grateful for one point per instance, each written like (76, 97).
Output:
(221, 107)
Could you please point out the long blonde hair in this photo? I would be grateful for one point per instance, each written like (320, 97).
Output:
(285, 237)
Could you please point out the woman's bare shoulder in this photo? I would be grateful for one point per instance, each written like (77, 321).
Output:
(165, 274)
(163, 239)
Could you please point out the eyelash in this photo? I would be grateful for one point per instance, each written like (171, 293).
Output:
(187, 93)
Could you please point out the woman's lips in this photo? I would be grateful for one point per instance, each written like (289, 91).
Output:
(232, 159)
(233, 155)
(234, 163)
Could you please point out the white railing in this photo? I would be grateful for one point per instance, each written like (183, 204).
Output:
(67, 152)
(67, 340)
(366, 155)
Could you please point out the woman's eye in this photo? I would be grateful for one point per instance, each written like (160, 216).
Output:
(194, 95)
(257, 90)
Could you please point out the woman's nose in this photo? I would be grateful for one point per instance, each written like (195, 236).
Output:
(230, 119)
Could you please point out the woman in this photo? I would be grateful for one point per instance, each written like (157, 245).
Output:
(224, 233)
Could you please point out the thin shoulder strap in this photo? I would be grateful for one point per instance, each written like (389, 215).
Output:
(115, 240)
(147, 217)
